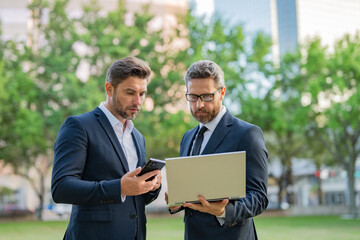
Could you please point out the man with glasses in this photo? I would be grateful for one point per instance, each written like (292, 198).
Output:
(221, 132)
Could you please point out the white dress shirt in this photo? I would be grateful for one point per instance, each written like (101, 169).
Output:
(125, 138)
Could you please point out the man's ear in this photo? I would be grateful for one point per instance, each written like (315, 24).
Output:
(222, 92)
(109, 89)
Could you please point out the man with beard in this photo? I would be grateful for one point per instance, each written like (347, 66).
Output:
(222, 132)
(97, 157)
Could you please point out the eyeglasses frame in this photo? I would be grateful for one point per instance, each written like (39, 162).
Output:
(201, 96)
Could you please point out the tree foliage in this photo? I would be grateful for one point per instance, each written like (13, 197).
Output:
(44, 83)
(333, 87)
(307, 107)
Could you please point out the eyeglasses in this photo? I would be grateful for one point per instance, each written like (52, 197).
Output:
(207, 97)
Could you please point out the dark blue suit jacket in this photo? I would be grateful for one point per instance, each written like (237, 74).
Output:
(88, 165)
(232, 134)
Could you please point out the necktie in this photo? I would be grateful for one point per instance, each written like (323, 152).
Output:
(198, 141)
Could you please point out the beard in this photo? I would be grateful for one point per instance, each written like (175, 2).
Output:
(206, 117)
(122, 111)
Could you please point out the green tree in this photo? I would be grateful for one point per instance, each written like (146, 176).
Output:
(314, 62)
(286, 122)
(335, 98)
(33, 109)
(44, 83)
(22, 135)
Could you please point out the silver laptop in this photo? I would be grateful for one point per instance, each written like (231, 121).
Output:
(214, 176)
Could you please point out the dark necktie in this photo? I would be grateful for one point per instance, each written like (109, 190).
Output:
(198, 141)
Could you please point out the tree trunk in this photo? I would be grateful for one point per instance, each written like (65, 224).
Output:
(319, 191)
(351, 187)
(41, 195)
(279, 192)
(290, 186)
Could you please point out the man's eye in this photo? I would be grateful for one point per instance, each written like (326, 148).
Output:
(192, 97)
(207, 97)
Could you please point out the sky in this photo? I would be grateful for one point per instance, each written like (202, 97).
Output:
(204, 6)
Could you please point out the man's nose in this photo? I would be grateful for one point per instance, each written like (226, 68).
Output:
(137, 100)
(199, 103)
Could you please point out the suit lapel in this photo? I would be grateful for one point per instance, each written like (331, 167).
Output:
(219, 134)
(104, 122)
(136, 138)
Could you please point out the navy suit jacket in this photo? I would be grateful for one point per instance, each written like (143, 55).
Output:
(88, 165)
(232, 134)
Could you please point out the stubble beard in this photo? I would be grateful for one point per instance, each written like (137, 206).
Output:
(120, 110)
(208, 117)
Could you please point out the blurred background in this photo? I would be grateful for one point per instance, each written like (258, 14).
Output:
(291, 67)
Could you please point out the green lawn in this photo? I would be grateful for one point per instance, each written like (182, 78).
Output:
(307, 228)
(269, 228)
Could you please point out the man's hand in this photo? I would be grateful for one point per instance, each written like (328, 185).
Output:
(158, 182)
(132, 185)
(175, 208)
(214, 208)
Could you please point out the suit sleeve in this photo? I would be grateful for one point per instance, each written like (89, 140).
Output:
(255, 201)
(70, 154)
(149, 197)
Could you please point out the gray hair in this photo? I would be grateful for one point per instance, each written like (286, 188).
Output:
(205, 69)
(127, 67)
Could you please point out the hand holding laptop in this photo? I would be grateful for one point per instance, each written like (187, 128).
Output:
(216, 208)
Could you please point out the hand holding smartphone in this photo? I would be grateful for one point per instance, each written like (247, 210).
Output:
(151, 165)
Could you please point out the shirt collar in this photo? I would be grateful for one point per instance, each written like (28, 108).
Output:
(113, 120)
(212, 124)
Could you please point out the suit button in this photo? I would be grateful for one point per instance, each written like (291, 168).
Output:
(132, 216)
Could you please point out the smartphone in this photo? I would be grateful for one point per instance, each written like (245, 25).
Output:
(151, 165)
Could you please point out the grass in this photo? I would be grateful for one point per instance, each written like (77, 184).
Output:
(32, 230)
(306, 228)
(170, 228)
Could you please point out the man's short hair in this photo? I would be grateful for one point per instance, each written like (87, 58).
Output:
(205, 69)
(127, 67)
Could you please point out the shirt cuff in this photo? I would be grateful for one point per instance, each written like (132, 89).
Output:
(221, 218)
(176, 211)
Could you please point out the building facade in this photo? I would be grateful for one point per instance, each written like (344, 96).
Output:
(290, 22)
